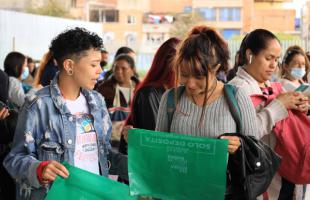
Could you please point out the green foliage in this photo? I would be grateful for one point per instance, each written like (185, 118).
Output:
(142, 73)
(286, 36)
(184, 23)
(51, 8)
(280, 36)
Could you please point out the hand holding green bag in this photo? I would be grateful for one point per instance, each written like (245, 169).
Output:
(176, 167)
(87, 186)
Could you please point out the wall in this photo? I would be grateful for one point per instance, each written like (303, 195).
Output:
(275, 20)
(32, 34)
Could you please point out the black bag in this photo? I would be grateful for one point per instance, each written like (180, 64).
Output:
(251, 169)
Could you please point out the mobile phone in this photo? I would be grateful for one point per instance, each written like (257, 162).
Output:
(302, 88)
(2, 105)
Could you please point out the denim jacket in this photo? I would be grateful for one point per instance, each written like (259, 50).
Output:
(46, 131)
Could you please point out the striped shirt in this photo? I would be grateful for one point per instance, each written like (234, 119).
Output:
(217, 118)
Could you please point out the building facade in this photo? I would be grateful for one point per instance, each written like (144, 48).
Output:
(145, 24)
(305, 30)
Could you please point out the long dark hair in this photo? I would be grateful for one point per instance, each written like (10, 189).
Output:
(256, 41)
(13, 64)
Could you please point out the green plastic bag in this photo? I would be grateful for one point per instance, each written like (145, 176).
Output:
(176, 167)
(84, 185)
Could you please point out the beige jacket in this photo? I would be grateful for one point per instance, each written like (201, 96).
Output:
(267, 116)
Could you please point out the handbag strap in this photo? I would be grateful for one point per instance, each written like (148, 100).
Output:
(230, 96)
(171, 106)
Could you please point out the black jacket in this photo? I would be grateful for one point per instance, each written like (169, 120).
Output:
(7, 125)
(108, 88)
(145, 109)
(4, 86)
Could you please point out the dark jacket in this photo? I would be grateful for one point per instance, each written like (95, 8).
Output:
(107, 90)
(48, 74)
(145, 109)
(4, 86)
(6, 125)
(7, 128)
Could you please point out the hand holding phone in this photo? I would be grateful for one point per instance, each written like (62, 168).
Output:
(4, 112)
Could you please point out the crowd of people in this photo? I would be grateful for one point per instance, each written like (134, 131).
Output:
(71, 108)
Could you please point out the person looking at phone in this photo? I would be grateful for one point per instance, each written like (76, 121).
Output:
(294, 67)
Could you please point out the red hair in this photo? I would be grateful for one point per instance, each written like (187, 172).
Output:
(161, 72)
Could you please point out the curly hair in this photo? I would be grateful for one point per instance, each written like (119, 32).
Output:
(72, 44)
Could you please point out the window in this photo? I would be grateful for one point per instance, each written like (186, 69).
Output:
(207, 13)
(187, 9)
(103, 15)
(230, 14)
(94, 16)
(131, 19)
(229, 33)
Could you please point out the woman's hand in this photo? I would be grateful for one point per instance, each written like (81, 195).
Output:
(4, 112)
(303, 104)
(125, 131)
(292, 100)
(53, 169)
(233, 144)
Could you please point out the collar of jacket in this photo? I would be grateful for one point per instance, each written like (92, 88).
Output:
(60, 103)
(244, 75)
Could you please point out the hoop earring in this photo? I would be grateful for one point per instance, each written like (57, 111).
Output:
(70, 72)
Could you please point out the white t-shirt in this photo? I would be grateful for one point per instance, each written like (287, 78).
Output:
(86, 148)
(126, 92)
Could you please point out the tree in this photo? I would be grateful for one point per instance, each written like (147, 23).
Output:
(184, 23)
(51, 8)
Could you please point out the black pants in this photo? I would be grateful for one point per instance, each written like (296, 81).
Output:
(7, 184)
(287, 190)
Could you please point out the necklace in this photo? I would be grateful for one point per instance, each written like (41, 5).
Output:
(209, 91)
(205, 101)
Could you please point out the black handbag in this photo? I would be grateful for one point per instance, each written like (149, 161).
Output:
(251, 168)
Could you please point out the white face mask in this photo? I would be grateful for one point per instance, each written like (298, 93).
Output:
(298, 73)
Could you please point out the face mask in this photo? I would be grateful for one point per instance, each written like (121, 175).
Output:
(298, 73)
(25, 73)
(103, 63)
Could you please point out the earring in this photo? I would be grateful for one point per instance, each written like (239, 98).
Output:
(250, 60)
(70, 72)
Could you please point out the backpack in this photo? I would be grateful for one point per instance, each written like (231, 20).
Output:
(293, 140)
(257, 163)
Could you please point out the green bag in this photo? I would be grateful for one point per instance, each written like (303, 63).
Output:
(176, 167)
(84, 185)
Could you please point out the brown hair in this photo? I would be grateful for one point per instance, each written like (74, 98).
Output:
(201, 52)
(47, 56)
(288, 57)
